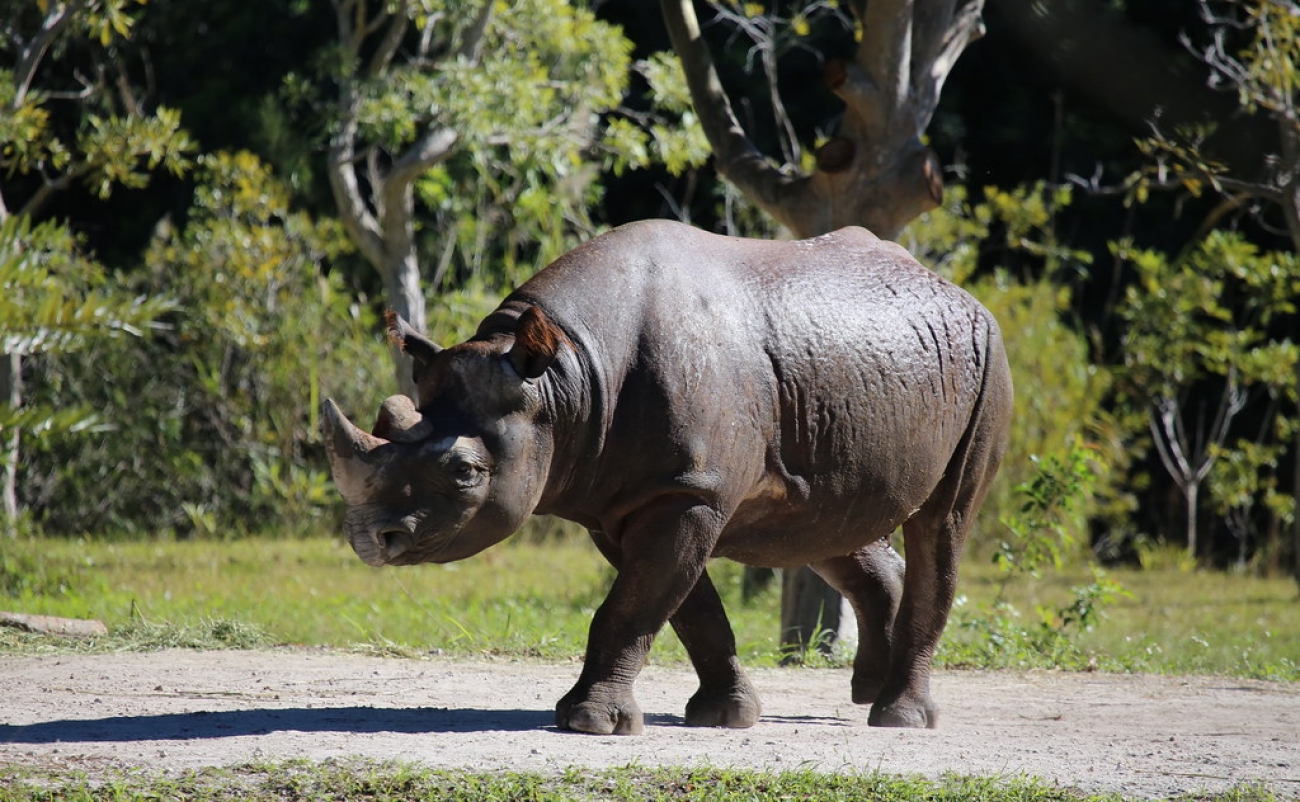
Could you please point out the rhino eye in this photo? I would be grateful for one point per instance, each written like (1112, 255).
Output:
(466, 474)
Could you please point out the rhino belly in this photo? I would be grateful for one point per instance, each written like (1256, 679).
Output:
(790, 522)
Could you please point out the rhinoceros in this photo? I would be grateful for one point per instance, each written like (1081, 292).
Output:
(685, 396)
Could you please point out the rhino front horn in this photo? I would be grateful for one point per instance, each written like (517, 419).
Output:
(356, 456)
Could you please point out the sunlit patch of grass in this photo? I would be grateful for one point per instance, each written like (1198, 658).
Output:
(1170, 620)
(535, 599)
(361, 780)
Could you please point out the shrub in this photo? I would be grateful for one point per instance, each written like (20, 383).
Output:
(212, 424)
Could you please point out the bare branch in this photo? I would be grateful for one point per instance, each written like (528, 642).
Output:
(351, 34)
(471, 39)
(886, 49)
(433, 147)
(51, 186)
(1231, 403)
(761, 30)
(357, 219)
(737, 157)
(1166, 428)
(964, 27)
(1139, 73)
(398, 20)
(56, 19)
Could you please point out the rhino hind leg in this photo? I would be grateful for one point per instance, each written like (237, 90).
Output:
(872, 580)
(933, 549)
(933, 539)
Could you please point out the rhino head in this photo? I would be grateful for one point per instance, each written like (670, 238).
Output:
(460, 471)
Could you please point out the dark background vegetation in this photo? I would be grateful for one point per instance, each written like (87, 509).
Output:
(206, 426)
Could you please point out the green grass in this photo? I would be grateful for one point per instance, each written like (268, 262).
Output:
(1168, 621)
(528, 599)
(379, 782)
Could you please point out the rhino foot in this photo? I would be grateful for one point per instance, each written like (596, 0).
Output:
(904, 713)
(600, 718)
(738, 708)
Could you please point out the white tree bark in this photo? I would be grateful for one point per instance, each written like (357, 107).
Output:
(378, 213)
(11, 376)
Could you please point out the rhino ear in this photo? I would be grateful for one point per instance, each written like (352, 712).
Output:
(416, 345)
(537, 343)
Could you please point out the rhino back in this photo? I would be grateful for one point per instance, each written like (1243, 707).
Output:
(807, 385)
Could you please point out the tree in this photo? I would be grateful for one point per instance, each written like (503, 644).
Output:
(1250, 51)
(1201, 340)
(874, 170)
(53, 301)
(420, 81)
(86, 126)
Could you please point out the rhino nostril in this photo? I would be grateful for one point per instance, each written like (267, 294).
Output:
(396, 541)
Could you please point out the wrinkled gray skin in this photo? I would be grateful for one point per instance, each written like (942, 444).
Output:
(685, 396)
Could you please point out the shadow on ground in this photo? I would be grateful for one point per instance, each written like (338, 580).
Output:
(234, 723)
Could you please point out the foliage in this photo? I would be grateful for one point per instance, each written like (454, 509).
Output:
(113, 143)
(213, 422)
(57, 133)
(521, 193)
(668, 133)
(1040, 534)
(1040, 530)
(1249, 50)
(55, 300)
(1202, 346)
(521, 86)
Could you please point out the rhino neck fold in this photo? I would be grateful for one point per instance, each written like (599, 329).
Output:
(575, 410)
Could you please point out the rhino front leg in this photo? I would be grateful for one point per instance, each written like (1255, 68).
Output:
(661, 553)
(726, 697)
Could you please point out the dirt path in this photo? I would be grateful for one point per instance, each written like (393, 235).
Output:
(1144, 736)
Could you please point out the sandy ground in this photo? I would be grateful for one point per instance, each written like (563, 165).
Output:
(1149, 737)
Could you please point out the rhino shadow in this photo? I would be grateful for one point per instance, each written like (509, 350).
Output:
(235, 723)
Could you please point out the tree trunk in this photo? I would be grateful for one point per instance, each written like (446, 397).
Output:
(810, 612)
(1295, 493)
(382, 225)
(11, 390)
(403, 295)
(875, 172)
(1191, 493)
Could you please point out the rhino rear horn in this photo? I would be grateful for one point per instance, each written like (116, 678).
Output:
(400, 421)
(356, 457)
